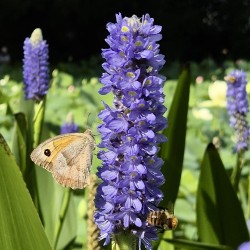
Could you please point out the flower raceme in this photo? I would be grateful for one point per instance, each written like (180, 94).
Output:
(237, 106)
(35, 66)
(130, 130)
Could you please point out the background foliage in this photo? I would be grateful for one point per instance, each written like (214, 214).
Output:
(197, 173)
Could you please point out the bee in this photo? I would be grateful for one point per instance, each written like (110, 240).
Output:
(231, 79)
(163, 219)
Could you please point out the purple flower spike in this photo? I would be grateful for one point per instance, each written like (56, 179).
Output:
(35, 66)
(237, 106)
(69, 126)
(130, 130)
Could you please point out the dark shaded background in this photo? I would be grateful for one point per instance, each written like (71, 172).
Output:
(76, 29)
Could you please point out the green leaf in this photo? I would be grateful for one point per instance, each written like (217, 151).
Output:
(19, 222)
(19, 141)
(3, 97)
(172, 152)
(186, 244)
(220, 219)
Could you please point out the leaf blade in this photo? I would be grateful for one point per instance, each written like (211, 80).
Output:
(172, 152)
(218, 209)
(20, 226)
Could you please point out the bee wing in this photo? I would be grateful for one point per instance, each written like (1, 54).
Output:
(170, 207)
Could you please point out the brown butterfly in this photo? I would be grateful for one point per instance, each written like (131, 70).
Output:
(68, 157)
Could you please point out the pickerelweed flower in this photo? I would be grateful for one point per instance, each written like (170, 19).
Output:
(237, 106)
(130, 130)
(70, 126)
(35, 66)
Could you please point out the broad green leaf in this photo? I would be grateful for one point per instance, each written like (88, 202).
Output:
(19, 141)
(220, 219)
(162, 244)
(21, 149)
(19, 222)
(27, 107)
(193, 245)
(172, 152)
(3, 97)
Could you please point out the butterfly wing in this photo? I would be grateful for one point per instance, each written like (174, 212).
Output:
(73, 164)
(68, 157)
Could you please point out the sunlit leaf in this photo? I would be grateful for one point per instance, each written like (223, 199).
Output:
(19, 140)
(193, 245)
(172, 152)
(220, 219)
(19, 222)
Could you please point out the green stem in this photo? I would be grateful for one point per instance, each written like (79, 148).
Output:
(64, 209)
(38, 121)
(248, 207)
(243, 199)
(235, 177)
(124, 241)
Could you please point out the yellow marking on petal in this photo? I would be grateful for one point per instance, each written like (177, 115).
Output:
(133, 174)
(148, 82)
(142, 105)
(149, 69)
(151, 161)
(130, 74)
(124, 29)
(124, 38)
(138, 43)
(130, 138)
(141, 123)
(122, 54)
(150, 47)
(127, 111)
(132, 93)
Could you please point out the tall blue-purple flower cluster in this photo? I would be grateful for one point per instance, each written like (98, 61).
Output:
(130, 130)
(35, 66)
(237, 106)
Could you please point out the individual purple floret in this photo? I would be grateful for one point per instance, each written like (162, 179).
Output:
(70, 126)
(244, 246)
(35, 66)
(130, 130)
(237, 106)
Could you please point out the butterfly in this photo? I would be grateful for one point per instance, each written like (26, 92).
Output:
(68, 157)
